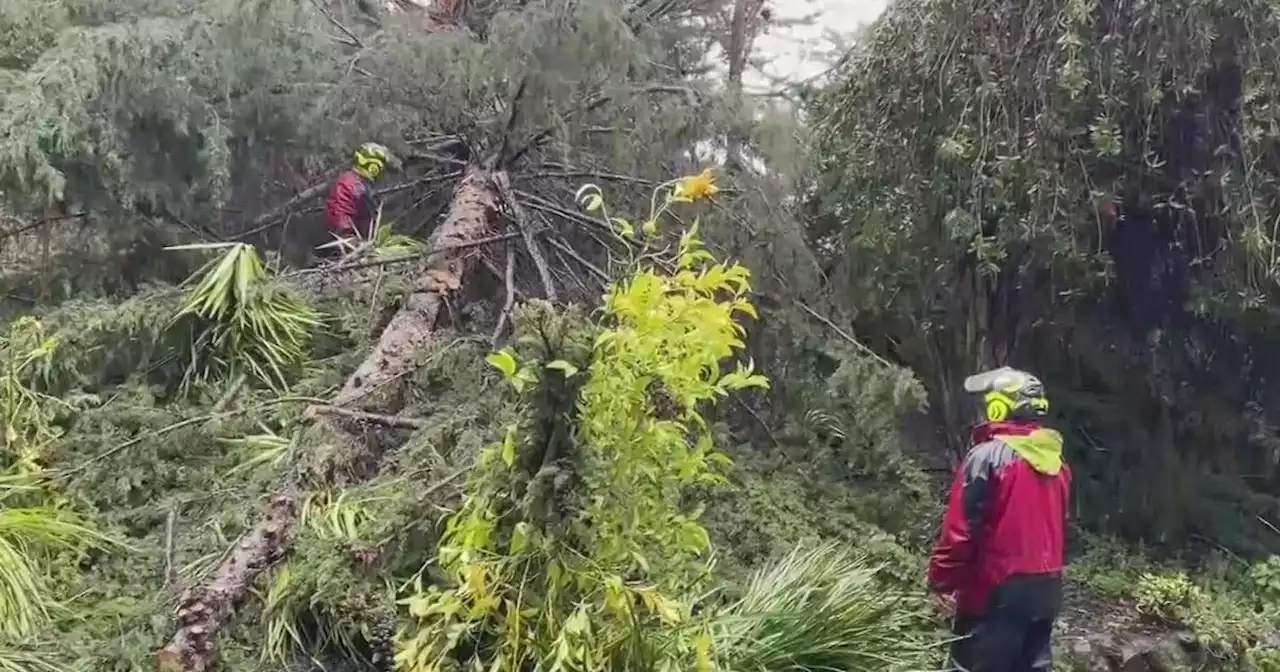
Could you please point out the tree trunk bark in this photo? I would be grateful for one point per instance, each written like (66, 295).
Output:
(744, 25)
(475, 202)
(204, 610)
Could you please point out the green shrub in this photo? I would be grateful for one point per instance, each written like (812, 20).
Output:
(1108, 567)
(1227, 620)
(1167, 597)
(1265, 576)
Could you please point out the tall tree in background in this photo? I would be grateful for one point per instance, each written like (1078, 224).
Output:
(1077, 188)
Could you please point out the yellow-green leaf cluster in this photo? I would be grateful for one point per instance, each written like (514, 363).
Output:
(606, 592)
(35, 521)
(26, 415)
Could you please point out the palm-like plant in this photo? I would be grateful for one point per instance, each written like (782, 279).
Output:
(18, 660)
(820, 609)
(30, 533)
(240, 323)
(34, 524)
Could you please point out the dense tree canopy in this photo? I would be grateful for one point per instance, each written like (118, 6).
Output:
(1080, 188)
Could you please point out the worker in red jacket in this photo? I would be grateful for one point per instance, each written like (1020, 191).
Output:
(997, 566)
(351, 206)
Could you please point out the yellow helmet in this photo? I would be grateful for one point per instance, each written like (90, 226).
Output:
(1009, 394)
(371, 158)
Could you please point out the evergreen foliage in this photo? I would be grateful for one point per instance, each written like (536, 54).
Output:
(1075, 187)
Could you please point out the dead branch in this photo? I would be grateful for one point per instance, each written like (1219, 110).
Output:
(24, 228)
(844, 335)
(539, 203)
(375, 418)
(568, 172)
(510, 278)
(764, 425)
(563, 247)
(355, 40)
(371, 263)
(503, 183)
(513, 116)
(573, 275)
(596, 102)
(373, 297)
(170, 571)
(275, 216)
(268, 219)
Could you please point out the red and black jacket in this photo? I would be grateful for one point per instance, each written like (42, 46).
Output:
(1003, 537)
(351, 205)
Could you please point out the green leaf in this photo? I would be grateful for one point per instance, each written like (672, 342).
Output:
(561, 365)
(509, 448)
(503, 361)
(518, 537)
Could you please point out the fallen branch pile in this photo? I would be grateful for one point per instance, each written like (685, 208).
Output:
(203, 610)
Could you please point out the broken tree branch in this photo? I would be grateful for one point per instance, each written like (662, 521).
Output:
(510, 278)
(539, 203)
(398, 421)
(371, 263)
(513, 116)
(355, 40)
(569, 172)
(170, 571)
(843, 334)
(503, 183)
(267, 219)
(573, 275)
(275, 216)
(604, 277)
(24, 228)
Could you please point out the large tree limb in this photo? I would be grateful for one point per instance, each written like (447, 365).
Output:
(410, 331)
(204, 610)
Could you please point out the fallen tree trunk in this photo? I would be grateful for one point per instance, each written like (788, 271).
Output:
(404, 340)
(204, 610)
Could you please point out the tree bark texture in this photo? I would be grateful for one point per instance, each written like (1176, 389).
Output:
(204, 610)
(406, 337)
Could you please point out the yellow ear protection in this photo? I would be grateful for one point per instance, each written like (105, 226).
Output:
(370, 160)
(369, 165)
(998, 406)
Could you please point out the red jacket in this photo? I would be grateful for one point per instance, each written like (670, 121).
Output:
(1006, 515)
(350, 207)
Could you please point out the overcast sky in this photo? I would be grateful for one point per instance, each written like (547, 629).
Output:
(799, 51)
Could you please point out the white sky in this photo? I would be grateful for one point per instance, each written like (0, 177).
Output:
(804, 51)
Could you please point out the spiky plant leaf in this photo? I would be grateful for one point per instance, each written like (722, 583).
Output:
(26, 532)
(820, 609)
(240, 324)
(17, 660)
